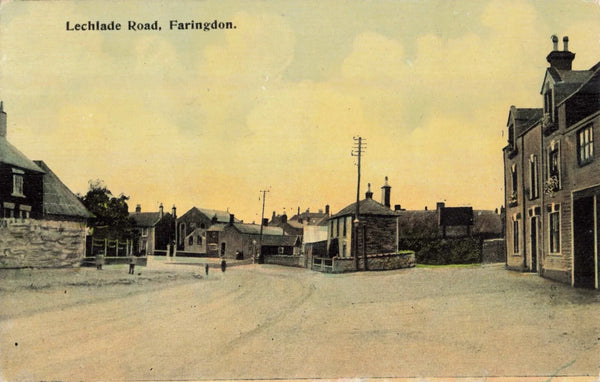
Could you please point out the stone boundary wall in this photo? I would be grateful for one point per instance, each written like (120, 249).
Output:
(41, 243)
(288, 261)
(380, 262)
(492, 251)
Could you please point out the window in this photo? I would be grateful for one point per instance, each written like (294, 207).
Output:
(511, 136)
(144, 232)
(337, 230)
(331, 229)
(17, 183)
(555, 231)
(534, 191)
(344, 227)
(585, 145)
(553, 167)
(191, 240)
(199, 240)
(548, 102)
(514, 184)
(515, 236)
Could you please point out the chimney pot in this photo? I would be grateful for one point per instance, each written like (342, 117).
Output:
(554, 42)
(138, 208)
(397, 207)
(161, 210)
(566, 43)
(174, 211)
(385, 194)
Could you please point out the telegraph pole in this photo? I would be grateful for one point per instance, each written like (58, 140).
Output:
(358, 149)
(262, 218)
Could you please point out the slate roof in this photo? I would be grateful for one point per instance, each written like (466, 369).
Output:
(10, 155)
(222, 216)
(145, 219)
(367, 206)
(525, 118)
(590, 86)
(566, 81)
(280, 241)
(58, 199)
(254, 229)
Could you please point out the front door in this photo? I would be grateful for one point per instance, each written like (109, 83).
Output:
(584, 242)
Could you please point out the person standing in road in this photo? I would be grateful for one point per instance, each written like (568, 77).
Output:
(223, 265)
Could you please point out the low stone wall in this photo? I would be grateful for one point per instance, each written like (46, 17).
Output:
(288, 261)
(492, 251)
(381, 262)
(41, 243)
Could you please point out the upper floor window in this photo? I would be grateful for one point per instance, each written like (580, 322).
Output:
(548, 102)
(511, 135)
(344, 230)
(144, 232)
(18, 182)
(534, 191)
(514, 183)
(553, 178)
(585, 145)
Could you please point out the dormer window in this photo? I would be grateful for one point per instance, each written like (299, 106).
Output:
(548, 102)
(511, 136)
(18, 182)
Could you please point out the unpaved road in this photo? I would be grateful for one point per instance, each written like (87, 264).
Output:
(267, 322)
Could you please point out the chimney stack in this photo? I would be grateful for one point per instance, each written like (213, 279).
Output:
(385, 194)
(161, 211)
(2, 120)
(138, 208)
(560, 60)
(369, 194)
(265, 222)
(284, 218)
(327, 210)
(174, 212)
(231, 219)
(397, 207)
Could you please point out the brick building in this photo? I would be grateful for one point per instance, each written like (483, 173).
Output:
(157, 229)
(552, 178)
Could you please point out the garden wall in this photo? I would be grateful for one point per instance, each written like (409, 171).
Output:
(466, 250)
(381, 262)
(288, 261)
(41, 243)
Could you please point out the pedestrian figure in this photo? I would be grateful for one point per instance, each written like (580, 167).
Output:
(223, 265)
(132, 266)
(206, 269)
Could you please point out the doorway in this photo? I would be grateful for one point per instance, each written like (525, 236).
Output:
(584, 242)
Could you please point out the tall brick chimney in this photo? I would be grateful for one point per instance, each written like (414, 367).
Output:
(369, 194)
(561, 60)
(161, 211)
(2, 121)
(385, 194)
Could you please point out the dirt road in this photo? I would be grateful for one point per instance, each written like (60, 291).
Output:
(274, 322)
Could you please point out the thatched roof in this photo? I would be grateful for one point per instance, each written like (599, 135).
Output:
(58, 199)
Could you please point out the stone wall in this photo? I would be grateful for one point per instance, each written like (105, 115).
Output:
(41, 243)
(492, 251)
(288, 261)
(380, 262)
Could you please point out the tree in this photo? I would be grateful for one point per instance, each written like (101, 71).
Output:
(111, 213)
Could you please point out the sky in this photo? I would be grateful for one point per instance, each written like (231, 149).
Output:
(210, 118)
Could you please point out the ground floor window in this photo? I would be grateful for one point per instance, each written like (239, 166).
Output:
(554, 232)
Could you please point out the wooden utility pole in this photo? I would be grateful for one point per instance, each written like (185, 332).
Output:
(357, 150)
(262, 218)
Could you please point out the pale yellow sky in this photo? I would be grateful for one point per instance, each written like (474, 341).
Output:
(210, 118)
